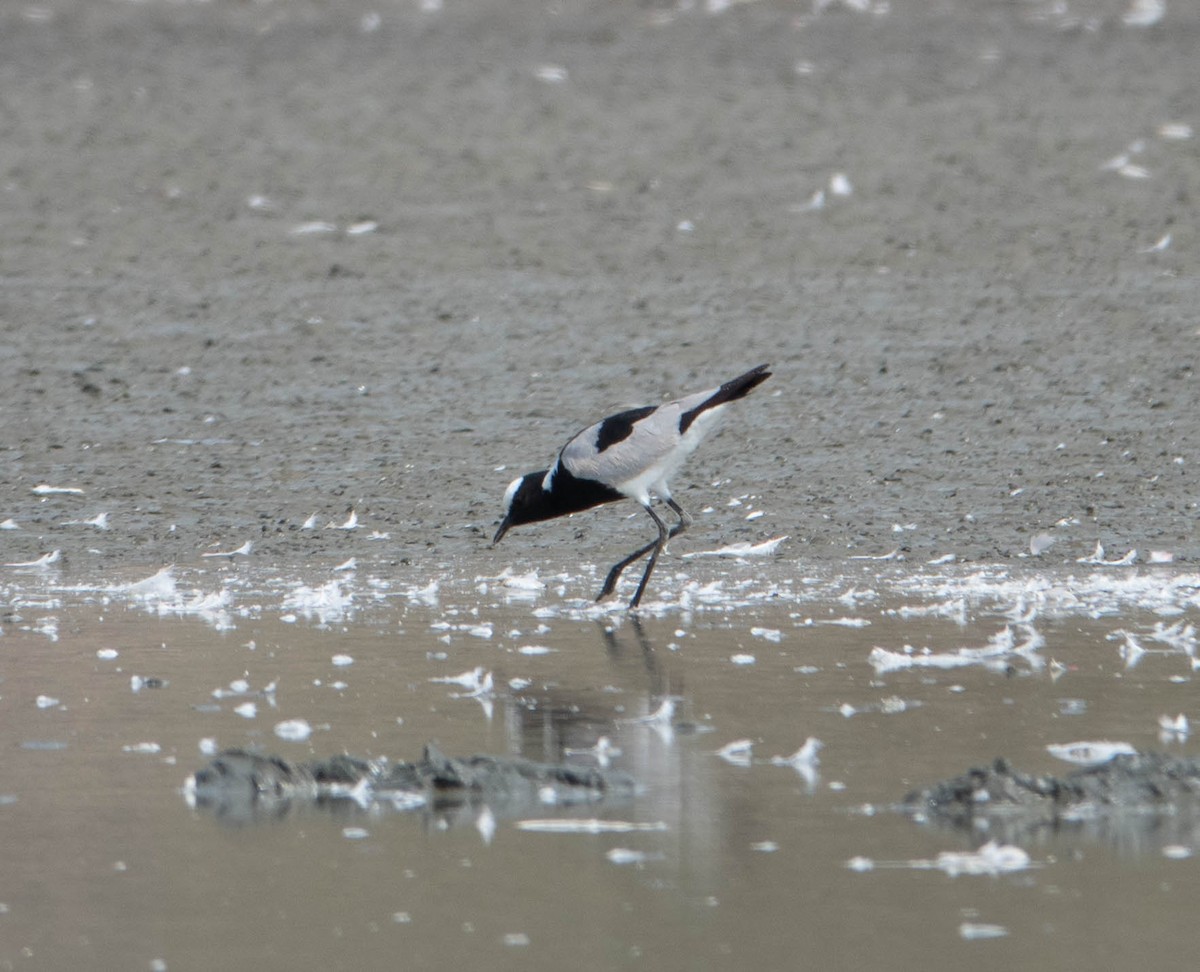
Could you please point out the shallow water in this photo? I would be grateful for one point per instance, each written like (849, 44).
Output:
(744, 864)
(285, 291)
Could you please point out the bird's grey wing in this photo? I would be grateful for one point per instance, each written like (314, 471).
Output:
(624, 446)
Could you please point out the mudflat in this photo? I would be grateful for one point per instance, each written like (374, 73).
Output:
(264, 261)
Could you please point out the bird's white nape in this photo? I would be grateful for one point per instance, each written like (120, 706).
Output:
(511, 492)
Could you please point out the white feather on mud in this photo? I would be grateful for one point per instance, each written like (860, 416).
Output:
(603, 752)
(1144, 13)
(350, 523)
(45, 489)
(890, 555)
(1181, 636)
(99, 521)
(815, 203)
(1000, 649)
(1131, 651)
(843, 622)
(314, 227)
(1160, 247)
(157, 586)
(990, 860)
(521, 582)
(663, 715)
(293, 730)
(532, 650)
(740, 752)
(242, 551)
(1131, 170)
(744, 549)
(485, 824)
(142, 748)
(1040, 543)
(427, 595)
(1055, 594)
(1090, 753)
(483, 630)
(555, 825)
(325, 603)
(551, 73)
(807, 755)
(41, 563)
(624, 856)
(973, 931)
(476, 681)
(1173, 729)
(160, 594)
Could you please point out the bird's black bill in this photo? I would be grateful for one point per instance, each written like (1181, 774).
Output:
(507, 522)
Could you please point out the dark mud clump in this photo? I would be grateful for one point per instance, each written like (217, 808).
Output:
(1136, 799)
(240, 786)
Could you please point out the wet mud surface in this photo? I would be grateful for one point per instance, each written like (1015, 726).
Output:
(266, 261)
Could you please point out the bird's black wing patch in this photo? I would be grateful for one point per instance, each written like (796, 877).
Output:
(617, 428)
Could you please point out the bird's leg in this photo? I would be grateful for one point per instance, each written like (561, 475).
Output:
(685, 520)
(663, 536)
(614, 575)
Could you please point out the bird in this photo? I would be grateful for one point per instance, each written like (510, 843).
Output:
(629, 455)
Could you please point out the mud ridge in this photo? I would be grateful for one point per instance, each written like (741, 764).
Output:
(1139, 798)
(240, 786)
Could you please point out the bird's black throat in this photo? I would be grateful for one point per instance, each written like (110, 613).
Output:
(567, 494)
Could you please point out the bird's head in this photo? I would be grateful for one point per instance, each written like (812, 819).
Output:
(523, 502)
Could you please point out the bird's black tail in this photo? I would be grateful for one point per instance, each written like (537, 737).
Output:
(741, 386)
(731, 391)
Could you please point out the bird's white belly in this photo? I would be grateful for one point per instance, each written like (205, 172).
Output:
(653, 480)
